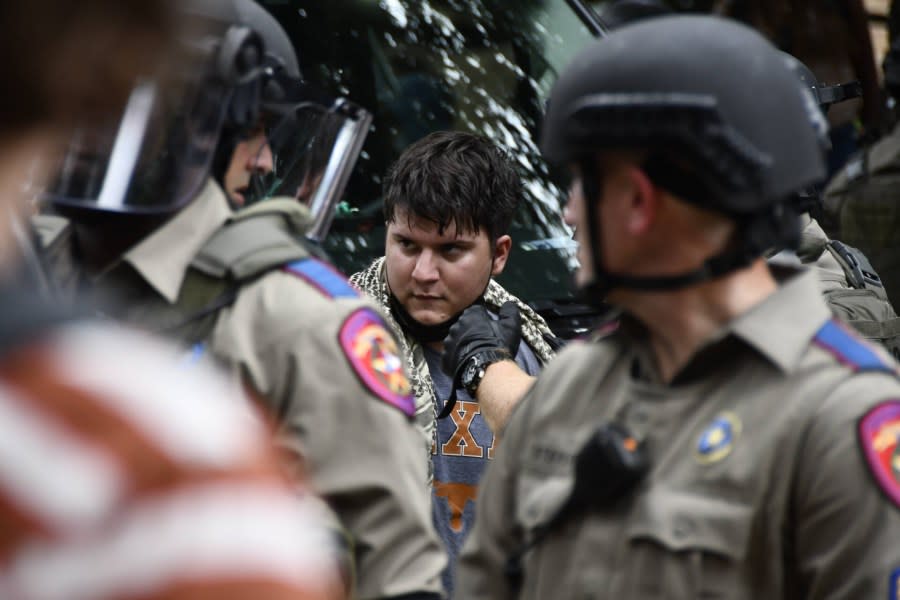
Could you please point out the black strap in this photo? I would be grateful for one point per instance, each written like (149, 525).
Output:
(449, 403)
(556, 344)
(777, 227)
(859, 271)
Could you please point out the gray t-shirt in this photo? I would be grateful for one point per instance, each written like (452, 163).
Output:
(465, 444)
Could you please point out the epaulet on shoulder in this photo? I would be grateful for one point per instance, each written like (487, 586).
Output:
(851, 350)
(250, 245)
(323, 277)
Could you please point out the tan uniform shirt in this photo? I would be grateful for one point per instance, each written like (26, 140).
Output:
(867, 309)
(861, 201)
(311, 359)
(758, 487)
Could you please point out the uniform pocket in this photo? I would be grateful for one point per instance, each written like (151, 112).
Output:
(541, 500)
(687, 545)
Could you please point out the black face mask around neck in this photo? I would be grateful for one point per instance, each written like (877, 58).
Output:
(425, 334)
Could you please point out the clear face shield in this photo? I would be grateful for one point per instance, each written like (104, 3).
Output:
(309, 151)
(155, 156)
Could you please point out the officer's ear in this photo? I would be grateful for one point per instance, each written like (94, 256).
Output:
(644, 201)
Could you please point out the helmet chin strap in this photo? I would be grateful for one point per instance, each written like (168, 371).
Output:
(754, 236)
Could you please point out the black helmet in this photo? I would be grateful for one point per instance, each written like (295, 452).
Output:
(279, 49)
(279, 59)
(825, 95)
(712, 94)
(709, 90)
(809, 199)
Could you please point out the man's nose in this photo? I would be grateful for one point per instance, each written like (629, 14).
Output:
(262, 160)
(426, 269)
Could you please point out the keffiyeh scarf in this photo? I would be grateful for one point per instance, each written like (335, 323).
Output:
(373, 282)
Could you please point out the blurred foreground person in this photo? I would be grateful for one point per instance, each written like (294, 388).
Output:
(122, 473)
(730, 438)
(152, 227)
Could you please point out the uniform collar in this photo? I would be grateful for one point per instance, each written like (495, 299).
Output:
(782, 325)
(163, 257)
(779, 328)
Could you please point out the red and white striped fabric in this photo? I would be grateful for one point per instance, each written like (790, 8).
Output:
(124, 474)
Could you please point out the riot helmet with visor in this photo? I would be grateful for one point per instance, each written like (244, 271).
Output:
(154, 158)
(307, 141)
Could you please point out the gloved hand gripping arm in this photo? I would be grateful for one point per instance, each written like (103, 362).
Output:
(476, 331)
(479, 339)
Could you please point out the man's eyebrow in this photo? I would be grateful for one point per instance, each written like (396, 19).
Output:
(402, 237)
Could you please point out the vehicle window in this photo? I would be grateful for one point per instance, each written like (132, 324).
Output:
(425, 65)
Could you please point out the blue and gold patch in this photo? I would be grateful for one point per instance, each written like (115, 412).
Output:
(894, 585)
(718, 439)
(373, 354)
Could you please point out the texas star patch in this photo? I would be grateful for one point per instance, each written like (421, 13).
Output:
(717, 440)
(372, 351)
(879, 437)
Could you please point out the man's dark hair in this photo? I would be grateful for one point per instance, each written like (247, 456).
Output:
(454, 177)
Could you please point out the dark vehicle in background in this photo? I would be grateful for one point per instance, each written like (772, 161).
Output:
(485, 66)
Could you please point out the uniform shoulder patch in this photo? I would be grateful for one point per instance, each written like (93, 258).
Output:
(323, 277)
(849, 349)
(373, 354)
(879, 438)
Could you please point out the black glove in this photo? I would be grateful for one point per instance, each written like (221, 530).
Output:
(476, 330)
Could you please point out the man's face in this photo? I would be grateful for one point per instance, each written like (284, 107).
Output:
(251, 156)
(436, 276)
